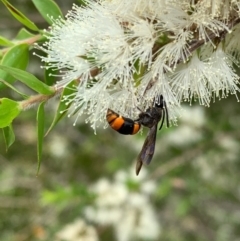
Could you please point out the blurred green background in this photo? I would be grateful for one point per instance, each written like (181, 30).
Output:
(194, 175)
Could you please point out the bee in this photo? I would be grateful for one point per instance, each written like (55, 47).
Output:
(149, 118)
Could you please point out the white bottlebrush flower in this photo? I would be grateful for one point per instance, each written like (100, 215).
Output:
(77, 231)
(194, 116)
(206, 16)
(191, 81)
(125, 53)
(222, 78)
(141, 7)
(109, 198)
(124, 204)
(185, 135)
(233, 43)
(138, 220)
(204, 78)
(190, 130)
(146, 186)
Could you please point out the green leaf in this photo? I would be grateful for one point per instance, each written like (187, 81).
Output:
(9, 110)
(9, 136)
(140, 71)
(183, 208)
(14, 89)
(40, 132)
(28, 79)
(23, 34)
(17, 57)
(82, 3)
(48, 9)
(50, 75)
(20, 16)
(62, 107)
(5, 42)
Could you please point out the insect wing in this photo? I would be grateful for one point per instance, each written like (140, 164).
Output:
(148, 148)
(146, 154)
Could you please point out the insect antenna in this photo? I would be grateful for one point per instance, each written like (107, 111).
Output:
(166, 110)
(163, 118)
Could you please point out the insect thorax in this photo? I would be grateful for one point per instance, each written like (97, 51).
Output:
(151, 117)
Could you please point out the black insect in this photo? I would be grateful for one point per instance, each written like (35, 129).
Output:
(149, 118)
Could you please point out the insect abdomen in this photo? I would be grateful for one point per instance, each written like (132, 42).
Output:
(123, 125)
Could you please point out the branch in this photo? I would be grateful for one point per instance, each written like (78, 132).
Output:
(28, 41)
(37, 99)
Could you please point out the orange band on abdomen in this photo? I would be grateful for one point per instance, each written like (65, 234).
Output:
(136, 128)
(117, 123)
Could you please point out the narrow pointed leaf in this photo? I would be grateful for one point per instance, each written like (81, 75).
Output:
(23, 34)
(62, 107)
(9, 110)
(9, 136)
(40, 132)
(28, 79)
(20, 16)
(48, 9)
(82, 3)
(18, 57)
(14, 89)
(49, 75)
(5, 42)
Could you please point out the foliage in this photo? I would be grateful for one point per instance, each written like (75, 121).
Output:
(84, 186)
